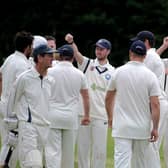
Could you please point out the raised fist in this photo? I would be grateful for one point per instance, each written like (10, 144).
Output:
(69, 38)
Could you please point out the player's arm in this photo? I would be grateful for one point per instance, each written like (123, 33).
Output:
(70, 40)
(86, 105)
(109, 105)
(155, 112)
(163, 47)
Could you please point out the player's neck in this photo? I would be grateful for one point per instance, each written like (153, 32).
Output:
(103, 61)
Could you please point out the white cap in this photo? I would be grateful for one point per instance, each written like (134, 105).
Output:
(39, 40)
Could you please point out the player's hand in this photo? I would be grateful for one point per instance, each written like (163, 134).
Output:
(69, 38)
(85, 121)
(154, 135)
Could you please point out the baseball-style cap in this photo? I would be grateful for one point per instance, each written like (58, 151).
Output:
(138, 47)
(43, 49)
(66, 50)
(142, 35)
(103, 43)
(39, 40)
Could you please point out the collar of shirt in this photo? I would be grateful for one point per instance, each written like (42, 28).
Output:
(65, 63)
(96, 63)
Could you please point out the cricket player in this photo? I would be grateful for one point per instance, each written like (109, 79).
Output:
(29, 101)
(64, 107)
(132, 103)
(92, 139)
(160, 50)
(13, 66)
(156, 65)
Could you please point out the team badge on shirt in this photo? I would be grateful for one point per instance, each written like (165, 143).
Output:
(107, 76)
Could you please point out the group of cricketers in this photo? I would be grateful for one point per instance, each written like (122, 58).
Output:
(49, 106)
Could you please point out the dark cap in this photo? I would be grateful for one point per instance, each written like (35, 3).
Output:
(138, 47)
(103, 43)
(43, 49)
(142, 35)
(66, 50)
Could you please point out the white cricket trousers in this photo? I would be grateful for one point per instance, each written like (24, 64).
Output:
(32, 141)
(131, 153)
(60, 148)
(91, 144)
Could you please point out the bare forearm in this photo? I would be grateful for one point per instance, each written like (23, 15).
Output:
(155, 111)
(70, 40)
(78, 56)
(86, 102)
(109, 105)
(161, 49)
(155, 118)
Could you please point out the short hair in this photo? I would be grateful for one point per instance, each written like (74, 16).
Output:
(22, 40)
(49, 37)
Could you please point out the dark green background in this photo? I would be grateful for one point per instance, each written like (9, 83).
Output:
(87, 20)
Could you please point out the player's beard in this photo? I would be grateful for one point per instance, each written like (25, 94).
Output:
(102, 58)
(29, 54)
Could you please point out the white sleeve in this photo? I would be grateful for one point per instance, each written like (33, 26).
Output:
(15, 95)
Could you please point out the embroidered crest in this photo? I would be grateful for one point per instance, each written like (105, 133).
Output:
(107, 76)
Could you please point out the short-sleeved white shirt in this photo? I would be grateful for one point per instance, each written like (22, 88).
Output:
(30, 99)
(64, 101)
(13, 66)
(156, 65)
(134, 84)
(98, 77)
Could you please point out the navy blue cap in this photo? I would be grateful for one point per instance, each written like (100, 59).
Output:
(142, 35)
(66, 50)
(103, 43)
(43, 49)
(138, 47)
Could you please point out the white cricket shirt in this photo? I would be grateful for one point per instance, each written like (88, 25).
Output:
(134, 84)
(98, 77)
(156, 65)
(64, 102)
(13, 66)
(30, 100)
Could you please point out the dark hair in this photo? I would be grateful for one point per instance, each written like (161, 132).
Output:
(151, 42)
(22, 40)
(36, 57)
(49, 37)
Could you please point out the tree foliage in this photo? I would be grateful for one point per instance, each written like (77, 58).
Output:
(116, 20)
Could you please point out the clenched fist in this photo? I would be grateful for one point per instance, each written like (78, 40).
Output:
(69, 38)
